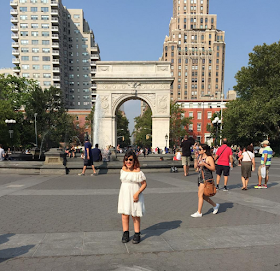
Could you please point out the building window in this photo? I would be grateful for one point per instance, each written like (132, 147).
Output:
(46, 75)
(190, 127)
(35, 50)
(47, 83)
(44, 9)
(34, 33)
(34, 25)
(45, 17)
(46, 50)
(23, 9)
(23, 25)
(45, 33)
(24, 49)
(199, 127)
(33, 9)
(191, 114)
(45, 26)
(36, 67)
(46, 67)
(25, 58)
(46, 58)
(45, 42)
(23, 17)
(209, 115)
(199, 115)
(24, 41)
(25, 67)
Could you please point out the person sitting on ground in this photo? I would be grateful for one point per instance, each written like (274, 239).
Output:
(177, 156)
(96, 154)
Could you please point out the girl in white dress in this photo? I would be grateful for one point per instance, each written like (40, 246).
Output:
(131, 200)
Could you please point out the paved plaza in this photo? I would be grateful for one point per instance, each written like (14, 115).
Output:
(70, 223)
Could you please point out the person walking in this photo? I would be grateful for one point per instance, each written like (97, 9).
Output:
(205, 163)
(186, 154)
(265, 162)
(87, 158)
(224, 162)
(247, 165)
(131, 200)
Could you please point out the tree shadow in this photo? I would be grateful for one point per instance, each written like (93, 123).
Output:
(160, 228)
(6, 254)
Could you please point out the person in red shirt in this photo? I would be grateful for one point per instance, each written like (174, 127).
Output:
(224, 162)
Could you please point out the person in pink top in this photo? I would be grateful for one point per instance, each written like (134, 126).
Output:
(224, 162)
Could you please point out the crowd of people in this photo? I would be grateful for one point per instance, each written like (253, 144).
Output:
(206, 161)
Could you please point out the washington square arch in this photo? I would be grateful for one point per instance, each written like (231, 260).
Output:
(118, 82)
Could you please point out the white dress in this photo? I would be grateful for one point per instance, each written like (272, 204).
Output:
(131, 182)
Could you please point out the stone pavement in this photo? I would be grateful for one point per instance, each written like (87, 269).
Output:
(71, 223)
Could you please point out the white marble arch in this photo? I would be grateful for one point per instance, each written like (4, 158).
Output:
(118, 82)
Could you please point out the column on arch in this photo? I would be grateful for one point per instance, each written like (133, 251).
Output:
(160, 127)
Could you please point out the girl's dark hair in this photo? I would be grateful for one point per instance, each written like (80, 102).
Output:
(129, 153)
(207, 149)
(250, 148)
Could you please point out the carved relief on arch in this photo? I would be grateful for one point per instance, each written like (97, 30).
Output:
(162, 104)
(105, 103)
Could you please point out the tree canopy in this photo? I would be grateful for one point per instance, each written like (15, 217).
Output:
(20, 100)
(255, 114)
(122, 129)
(178, 124)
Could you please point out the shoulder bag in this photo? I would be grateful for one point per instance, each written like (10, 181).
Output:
(209, 186)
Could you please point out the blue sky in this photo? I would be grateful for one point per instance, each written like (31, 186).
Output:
(135, 30)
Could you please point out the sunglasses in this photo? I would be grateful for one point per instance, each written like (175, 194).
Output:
(128, 159)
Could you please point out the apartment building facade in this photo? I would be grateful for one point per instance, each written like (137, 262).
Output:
(196, 50)
(55, 46)
(201, 112)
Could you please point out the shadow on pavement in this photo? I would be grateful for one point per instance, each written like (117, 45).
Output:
(103, 169)
(223, 208)
(6, 254)
(160, 228)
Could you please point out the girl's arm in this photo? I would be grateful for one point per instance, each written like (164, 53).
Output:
(240, 157)
(141, 189)
(196, 157)
(254, 163)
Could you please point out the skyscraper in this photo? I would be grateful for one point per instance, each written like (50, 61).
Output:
(196, 50)
(55, 46)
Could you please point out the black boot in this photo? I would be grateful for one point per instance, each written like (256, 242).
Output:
(125, 237)
(136, 238)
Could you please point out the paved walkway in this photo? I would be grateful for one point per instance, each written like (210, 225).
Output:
(71, 223)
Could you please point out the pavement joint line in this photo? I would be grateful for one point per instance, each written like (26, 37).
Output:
(235, 238)
(39, 245)
(27, 182)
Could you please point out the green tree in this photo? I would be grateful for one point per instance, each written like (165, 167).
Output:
(256, 112)
(122, 130)
(178, 124)
(143, 129)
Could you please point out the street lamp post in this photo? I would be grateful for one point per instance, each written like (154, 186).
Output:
(36, 137)
(11, 131)
(166, 138)
(216, 122)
